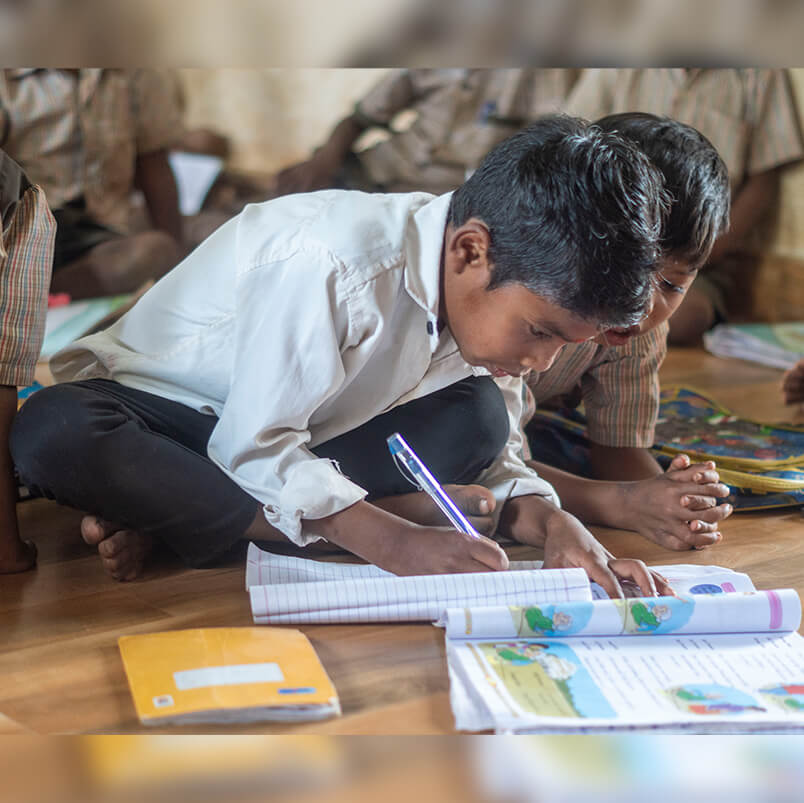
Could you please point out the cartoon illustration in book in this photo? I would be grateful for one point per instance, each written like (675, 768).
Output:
(522, 654)
(546, 678)
(710, 699)
(551, 620)
(519, 653)
(789, 696)
(643, 616)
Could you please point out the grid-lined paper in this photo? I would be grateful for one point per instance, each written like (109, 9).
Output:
(266, 568)
(286, 590)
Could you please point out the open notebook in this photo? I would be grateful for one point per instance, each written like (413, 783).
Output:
(286, 590)
(729, 662)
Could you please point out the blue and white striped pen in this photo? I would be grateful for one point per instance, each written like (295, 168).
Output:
(407, 460)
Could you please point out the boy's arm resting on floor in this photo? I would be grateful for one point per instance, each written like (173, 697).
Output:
(622, 462)
(16, 555)
(674, 509)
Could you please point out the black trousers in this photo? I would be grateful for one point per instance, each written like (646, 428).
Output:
(140, 461)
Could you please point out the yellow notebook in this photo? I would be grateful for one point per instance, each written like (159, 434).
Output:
(227, 674)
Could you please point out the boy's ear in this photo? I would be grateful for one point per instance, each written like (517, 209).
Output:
(469, 246)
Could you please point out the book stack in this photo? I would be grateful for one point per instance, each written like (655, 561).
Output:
(779, 345)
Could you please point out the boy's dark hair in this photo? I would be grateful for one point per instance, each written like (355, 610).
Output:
(575, 214)
(694, 175)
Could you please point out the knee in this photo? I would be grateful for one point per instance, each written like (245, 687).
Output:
(46, 431)
(490, 429)
(478, 429)
(159, 247)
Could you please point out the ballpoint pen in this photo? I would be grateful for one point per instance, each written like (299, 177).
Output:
(408, 461)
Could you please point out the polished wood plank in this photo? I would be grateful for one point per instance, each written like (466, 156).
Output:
(60, 669)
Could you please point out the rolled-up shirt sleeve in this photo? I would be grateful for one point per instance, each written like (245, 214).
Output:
(287, 364)
(508, 476)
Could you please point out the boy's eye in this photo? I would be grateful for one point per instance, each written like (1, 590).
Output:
(667, 285)
(538, 334)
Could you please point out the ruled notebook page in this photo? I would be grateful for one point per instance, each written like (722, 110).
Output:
(286, 590)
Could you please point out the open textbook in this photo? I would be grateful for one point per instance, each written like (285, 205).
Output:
(727, 662)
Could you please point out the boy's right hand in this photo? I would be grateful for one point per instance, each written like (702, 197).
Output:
(398, 545)
(441, 550)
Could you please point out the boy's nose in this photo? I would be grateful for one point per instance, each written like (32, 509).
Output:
(541, 360)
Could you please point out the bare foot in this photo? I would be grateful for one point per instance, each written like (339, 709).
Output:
(18, 557)
(122, 552)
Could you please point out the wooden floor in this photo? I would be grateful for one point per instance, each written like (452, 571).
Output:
(60, 669)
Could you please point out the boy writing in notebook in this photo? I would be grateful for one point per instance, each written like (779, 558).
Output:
(249, 393)
(617, 373)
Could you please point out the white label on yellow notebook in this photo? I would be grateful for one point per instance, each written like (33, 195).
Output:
(227, 675)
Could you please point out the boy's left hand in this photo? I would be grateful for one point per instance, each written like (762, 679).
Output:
(569, 544)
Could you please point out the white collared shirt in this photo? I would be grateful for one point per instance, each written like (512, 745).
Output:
(295, 322)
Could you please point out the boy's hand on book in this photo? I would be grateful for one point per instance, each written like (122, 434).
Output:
(678, 509)
(570, 545)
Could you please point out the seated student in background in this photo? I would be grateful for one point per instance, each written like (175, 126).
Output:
(750, 116)
(249, 393)
(26, 253)
(460, 115)
(617, 374)
(90, 137)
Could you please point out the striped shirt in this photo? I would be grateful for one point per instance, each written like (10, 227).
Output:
(619, 385)
(460, 114)
(749, 115)
(26, 258)
(77, 133)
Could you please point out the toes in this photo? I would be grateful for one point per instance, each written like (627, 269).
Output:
(123, 554)
(95, 530)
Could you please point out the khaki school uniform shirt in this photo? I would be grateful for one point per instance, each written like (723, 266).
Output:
(460, 115)
(619, 385)
(26, 260)
(749, 115)
(295, 322)
(78, 133)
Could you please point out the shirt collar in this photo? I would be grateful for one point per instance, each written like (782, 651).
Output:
(424, 244)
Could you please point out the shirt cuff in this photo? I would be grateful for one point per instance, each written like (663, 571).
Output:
(313, 490)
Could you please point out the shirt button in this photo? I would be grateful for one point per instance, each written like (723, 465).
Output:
(430, 328)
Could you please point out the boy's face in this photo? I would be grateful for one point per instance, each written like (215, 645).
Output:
(673, 280)
(507, 330)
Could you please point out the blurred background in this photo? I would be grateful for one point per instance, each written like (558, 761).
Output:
(484, 769)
